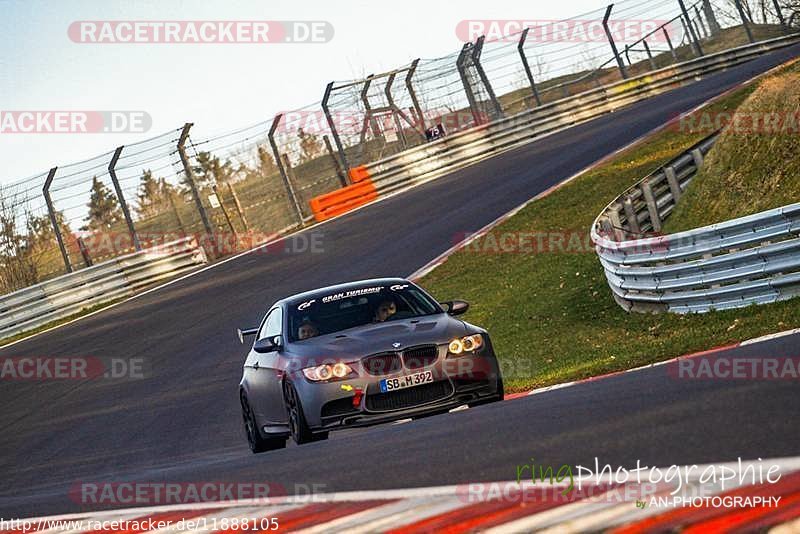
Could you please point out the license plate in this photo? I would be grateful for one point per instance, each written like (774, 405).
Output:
(407, 381)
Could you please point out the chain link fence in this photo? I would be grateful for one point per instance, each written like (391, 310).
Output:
(236, 189)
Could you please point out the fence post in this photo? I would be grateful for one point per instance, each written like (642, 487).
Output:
(528, 73)
(476, 59)
(745, 22)
(54, 220)
(462, 72)
(286, 182)
(121, 198)
(780, 16)
(238, 206)
(669, 43)
(687, 22)
(649, 55)
(187, 169)
(713, 26)
(215, 189)
(620, 63)
(652, 206)
(413, 94)
(336, 165)
(332, 126)
(701, 23)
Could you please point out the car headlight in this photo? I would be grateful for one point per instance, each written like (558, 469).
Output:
(464, 344)
(321, 373)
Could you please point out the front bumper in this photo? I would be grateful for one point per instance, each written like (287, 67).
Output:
(457, 381)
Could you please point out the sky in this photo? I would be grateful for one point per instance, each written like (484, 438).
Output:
(219, 87)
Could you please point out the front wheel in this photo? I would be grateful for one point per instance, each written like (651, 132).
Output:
(301, 433)
(256, 442)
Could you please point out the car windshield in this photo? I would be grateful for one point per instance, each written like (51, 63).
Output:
(327, 313)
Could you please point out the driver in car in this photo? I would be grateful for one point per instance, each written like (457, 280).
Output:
(385, 309)
(306, 330)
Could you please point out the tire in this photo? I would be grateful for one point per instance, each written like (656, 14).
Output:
(500, 395)
(255, 440)
(301, 433)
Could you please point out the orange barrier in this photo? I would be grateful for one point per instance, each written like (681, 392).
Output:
(359, 174)
(343, 200)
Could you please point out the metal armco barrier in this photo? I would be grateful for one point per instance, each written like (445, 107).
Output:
(750, 260)
(66, 295)
(460, 150)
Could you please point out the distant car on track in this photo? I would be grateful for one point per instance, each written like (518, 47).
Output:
(359, 354)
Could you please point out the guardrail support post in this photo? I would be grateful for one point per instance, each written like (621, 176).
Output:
(476, 59)
(674, 185)
(620, 64)
(528, 73)
(630, 214)
(121, 198)
(462, 72)
(745, 22)
(413, 94)
(287, 184)
(652, 207)
(332, 126)
(697, 156)
(687, 22)
(54, 220)
(187, 169)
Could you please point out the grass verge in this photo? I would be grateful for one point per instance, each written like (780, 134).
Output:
(547, 305)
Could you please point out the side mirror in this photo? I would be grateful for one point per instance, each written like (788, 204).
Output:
(455, 307)
(241, 333)
(267, 344)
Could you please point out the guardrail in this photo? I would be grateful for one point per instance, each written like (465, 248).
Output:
(443, 156)
(68, 294)
(749, 260)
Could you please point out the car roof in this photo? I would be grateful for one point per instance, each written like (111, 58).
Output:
(341, 287)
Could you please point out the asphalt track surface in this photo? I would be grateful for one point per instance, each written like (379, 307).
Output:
(182, 422)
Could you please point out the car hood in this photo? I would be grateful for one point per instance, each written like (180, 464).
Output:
(357, 342)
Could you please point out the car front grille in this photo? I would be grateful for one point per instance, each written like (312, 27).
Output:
(382, 364)
(409, 397)
(422, 356)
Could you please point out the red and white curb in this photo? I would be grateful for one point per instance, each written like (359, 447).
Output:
(497, 507)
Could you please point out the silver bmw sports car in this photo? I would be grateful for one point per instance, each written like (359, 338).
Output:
(359, 354)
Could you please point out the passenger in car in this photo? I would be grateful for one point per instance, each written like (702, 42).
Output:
(385, 309)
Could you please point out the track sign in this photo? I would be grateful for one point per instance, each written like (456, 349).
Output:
(435, 132)
(214, 201)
